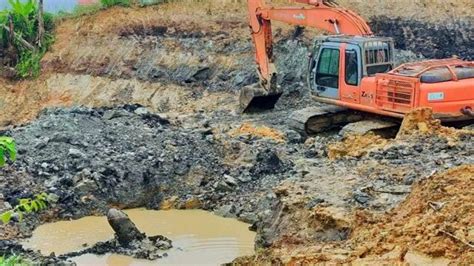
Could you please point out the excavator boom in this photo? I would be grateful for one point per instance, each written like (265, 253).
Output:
(318, 14)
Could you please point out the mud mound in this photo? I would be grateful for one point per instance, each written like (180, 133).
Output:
(436, 219)
(417, 125)
(355, 146)
(93, 157)
(421, 122)
(297, 220)
(249, 129)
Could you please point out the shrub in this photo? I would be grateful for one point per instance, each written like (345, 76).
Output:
(110, 3)
(24, 18)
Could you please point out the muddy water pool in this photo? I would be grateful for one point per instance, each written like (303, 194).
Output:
(199, 237)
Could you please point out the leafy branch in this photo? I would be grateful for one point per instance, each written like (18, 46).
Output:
(14, 260)
(7, 147)
(26, 206)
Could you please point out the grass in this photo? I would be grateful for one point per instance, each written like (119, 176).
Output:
(111, 3)
(82, 10)
(79, 11)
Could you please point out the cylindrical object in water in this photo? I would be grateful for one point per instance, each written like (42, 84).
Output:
(125, 229)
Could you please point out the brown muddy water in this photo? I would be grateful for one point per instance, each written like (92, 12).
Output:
(199, 237)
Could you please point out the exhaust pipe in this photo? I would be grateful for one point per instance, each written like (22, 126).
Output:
(467, 111)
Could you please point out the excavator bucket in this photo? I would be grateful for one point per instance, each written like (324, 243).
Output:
(255, 98)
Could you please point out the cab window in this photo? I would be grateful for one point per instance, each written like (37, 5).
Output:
(352, 69)
(327, 74)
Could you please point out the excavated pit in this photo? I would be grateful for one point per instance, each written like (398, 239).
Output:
(159, 128)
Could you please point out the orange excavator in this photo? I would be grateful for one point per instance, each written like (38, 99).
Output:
(353, 70)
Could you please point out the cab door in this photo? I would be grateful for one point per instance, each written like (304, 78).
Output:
(350, 73)
(326, 76)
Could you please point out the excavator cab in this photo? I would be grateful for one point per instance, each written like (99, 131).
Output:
(338, 64)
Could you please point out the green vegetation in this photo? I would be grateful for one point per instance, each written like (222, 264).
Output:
(24, 36)
(26, 33)
(7, 148)
(110, 3)
(14, 260)
(79, 10)
(26, 206)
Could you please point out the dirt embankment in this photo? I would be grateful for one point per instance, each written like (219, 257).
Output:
(436, 219)
(433, 224)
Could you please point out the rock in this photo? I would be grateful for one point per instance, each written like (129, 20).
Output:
(361, 197)
(242, 79)
(222, 186)
(125, 230)
(230, 180)
(169, 204)
(226, 211)
(293, 136)
(53, 198)
(52, 181)
(203, 73)
(75, 153)
(268, 162)
(43, 142)
(192, 203)
(314, 202)
(86, 186)
(469, 127)
(248, 217)
(112, 114)
(141, 111)
(243, 178)
(409, 179)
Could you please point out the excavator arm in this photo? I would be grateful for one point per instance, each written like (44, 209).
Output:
(318, 14)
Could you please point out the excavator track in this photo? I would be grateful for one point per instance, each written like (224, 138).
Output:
(317, 119)
(314, 120)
